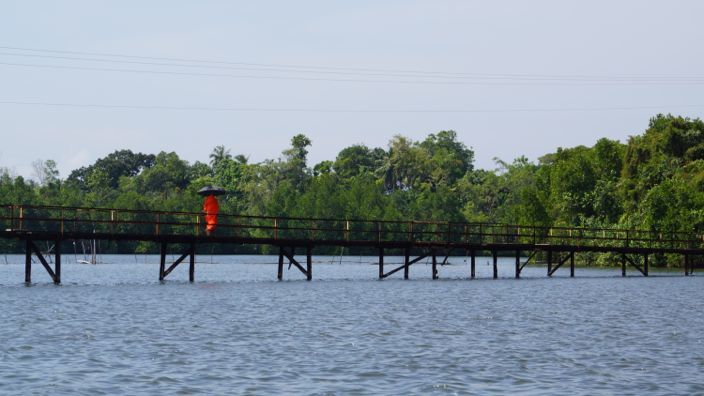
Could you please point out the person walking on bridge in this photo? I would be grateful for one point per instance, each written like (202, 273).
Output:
(211, 207)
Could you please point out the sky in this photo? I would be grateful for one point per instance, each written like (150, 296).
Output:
(81, 79)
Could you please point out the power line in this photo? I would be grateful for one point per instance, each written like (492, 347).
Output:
(663, 78)
(421, 82)
(369, 72)
(322, 110)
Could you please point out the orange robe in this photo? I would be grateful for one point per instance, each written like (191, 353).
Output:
(211, 207)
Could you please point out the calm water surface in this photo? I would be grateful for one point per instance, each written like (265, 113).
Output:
(113, 328)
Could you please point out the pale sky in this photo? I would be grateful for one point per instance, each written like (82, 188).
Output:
(576, 70)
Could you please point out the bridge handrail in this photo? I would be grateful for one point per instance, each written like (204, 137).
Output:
(414, 228)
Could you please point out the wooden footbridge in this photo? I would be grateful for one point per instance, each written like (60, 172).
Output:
(417, 240)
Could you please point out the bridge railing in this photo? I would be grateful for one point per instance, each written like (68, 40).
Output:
(123, 222)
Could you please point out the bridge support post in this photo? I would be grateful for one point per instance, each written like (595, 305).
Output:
(308, 271)
(190, 254)
(686, 265)
(572, 264)
(309, 262)
(435, 265)
(31, 248)
(518, 264)
(623, 264)
(645, 264)
(549, 262)
(28, 261)
(162, 261)
(381, 263)
(473, 263)
(57, 262)
(192, 263)
(406, 264)
(495, 264)
(280, 275)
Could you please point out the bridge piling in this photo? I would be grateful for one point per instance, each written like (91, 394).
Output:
(686, 264)
(57, 262)
(572, 264)
(381, 263)
(162, 261)
(28, 261)
(494, 254)
(280, 274)
(473, 263)
(623, 264)
(435, 265)
(406, 264)
(518, 264)
(192, 263)
(31, 248)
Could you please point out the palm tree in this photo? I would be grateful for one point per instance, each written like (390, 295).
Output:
(241, 159)
(219, 154)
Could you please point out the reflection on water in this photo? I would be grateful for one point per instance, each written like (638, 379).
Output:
(114, 328)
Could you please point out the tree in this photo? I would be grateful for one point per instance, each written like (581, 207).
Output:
(356, 159)
(218, 155)
(450, 159)
(45, 172)
(121, 163)
(406, 166)
(294, 167)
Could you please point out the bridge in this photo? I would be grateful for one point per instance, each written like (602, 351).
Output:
(418, 240)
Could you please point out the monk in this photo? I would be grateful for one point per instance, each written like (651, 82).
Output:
(211, 207)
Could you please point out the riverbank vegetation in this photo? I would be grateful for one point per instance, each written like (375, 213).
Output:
(654, 181)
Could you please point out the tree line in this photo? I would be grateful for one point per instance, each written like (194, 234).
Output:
(654, 181)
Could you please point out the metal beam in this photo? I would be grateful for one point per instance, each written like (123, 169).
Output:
(636, 266)
(407, 262)
(561, 262)
(530, 257)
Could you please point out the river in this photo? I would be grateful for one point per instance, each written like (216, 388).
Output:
(114, 328)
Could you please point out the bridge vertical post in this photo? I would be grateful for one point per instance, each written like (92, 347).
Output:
(645, 264)
(473, 263)
(518, 264)
(27, 261)
(435, 265)
(407, 253)
(549, 262)
(280, 275)
(57, 262)
(572, 264)
(381, 263)
(686, 264)
(495, 267)
(162, 261)
(309, 262)
(623, 264)
(192, 262)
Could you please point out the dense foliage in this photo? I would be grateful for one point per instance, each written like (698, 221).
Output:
(655, 181)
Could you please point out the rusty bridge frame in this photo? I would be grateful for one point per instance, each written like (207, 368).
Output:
(428, 239)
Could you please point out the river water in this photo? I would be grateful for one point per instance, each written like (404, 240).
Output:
(114, 328)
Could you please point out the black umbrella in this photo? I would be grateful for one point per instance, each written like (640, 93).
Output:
(211, 190)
